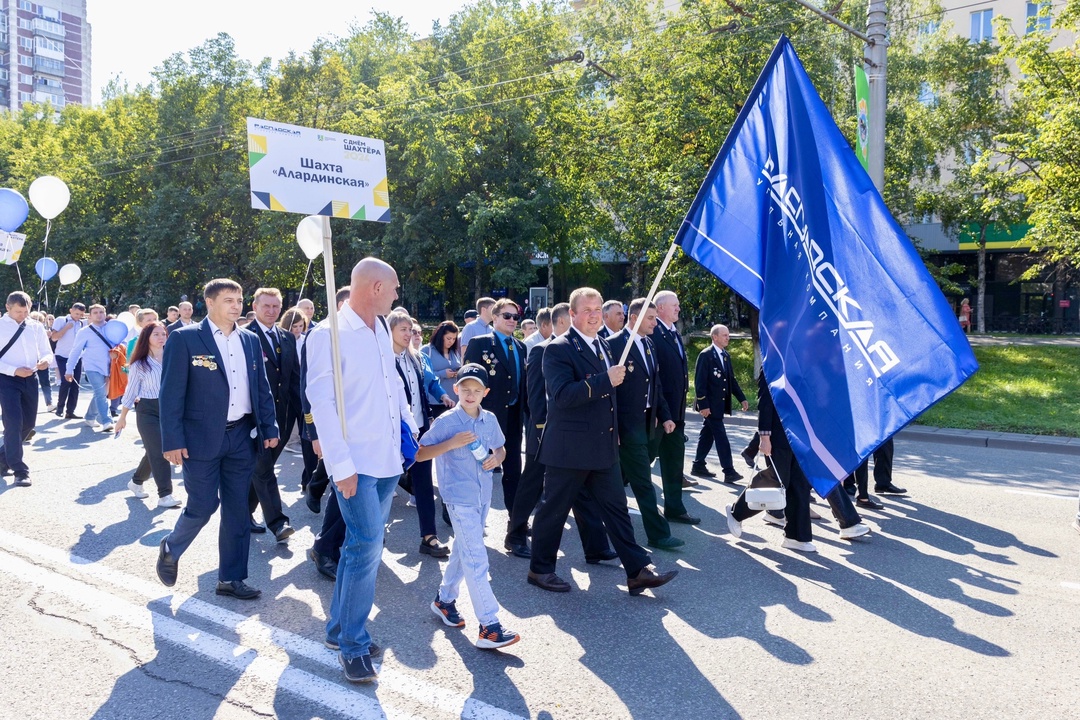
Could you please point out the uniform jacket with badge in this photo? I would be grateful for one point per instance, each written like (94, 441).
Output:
(641, 395)
(714, 384)
(282, 364)
(580, 432)
(194, 399)
(537, 392)
(674, 371)
(490, 354)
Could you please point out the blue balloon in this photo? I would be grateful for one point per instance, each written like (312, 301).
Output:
(116, 332)
(13, 209)
(46, 268)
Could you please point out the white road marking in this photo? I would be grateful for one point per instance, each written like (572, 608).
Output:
(1036, 493)
(406, 685)
(1071, 585)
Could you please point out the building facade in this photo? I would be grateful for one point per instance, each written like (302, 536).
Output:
(44, 53)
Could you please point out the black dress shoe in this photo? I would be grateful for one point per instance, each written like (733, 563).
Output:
(325, 564)
(520, 550)
(648, 578)
(597, 559)
(72, 416)
(22, 480)
(166, 566)
(685, 519)
(283, 533)
(548, 581)
(889, 489)
(747, 457)
(732, 477)
(238, 589)
(701, 471)
(314, 504)
(256, 527)
(868, 503)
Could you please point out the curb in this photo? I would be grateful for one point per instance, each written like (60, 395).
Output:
(968, 438)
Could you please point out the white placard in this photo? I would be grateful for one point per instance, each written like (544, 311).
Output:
(11, 246)
(316, 172)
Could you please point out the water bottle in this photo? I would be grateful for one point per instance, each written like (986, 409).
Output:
(478, 450)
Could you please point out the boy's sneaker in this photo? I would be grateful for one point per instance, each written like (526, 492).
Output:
(447, 612)
(136, 489)
(373, 649)
(495, 636)
(358, 670)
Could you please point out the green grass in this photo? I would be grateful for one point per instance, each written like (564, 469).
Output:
(1033, 389)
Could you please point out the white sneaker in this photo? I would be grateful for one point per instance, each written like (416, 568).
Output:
(90, 423)
(733, 526)
(806, 547)
(773, 520)
(51, 407)
(107, 428)
(168, 502)
(858, 530)
(137, 490)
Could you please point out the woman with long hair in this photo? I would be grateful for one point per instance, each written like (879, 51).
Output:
(419, 382)
(144, 384)
(443, 353)
(295, 321)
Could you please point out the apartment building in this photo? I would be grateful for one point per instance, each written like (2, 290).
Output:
(44, 53)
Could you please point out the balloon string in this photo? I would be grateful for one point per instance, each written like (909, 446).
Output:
(21, 287)
(48, 227)
(306, 273)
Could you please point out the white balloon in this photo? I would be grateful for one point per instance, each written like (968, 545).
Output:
(50, 195)
(309, 236)
(69, 273)
(128, 319)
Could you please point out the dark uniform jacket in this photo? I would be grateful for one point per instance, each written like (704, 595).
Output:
(674, 371)
(715, 385)
(537, 392)
(484, 350)
(641, 387)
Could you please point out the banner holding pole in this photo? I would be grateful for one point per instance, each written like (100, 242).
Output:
(857, 338)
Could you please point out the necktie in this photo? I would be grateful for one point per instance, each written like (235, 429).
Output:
(720, 354)
(275, 341)
(599, 352)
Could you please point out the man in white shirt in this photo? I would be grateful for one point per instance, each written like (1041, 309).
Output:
(91, 349)
(185, 317)
(24, 350)
(365, 466)
(64, 330)
(543, 330)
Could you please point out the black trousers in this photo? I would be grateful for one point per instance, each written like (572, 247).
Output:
(69, 390)
(562, 486)
(511, 466)
(529, 491)
(148, 420)
(311, 461)
(716, 433)
(883, 465)
(264, 488)
(18, 406)
(319, 481)
(332, 535)
(797, 492)
(842, 508)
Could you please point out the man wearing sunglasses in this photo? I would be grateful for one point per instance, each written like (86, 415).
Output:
(503, 356)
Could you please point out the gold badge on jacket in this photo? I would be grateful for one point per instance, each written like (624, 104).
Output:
(204, 361)
(629, 366)
(489, 359)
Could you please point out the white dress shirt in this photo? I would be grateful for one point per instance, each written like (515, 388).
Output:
(67, 340)
(31, 348)
(234, 362)
(375, 401)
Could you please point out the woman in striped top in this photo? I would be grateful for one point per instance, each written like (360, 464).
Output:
(144, 383)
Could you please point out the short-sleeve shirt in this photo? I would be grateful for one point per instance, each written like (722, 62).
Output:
(461, 479)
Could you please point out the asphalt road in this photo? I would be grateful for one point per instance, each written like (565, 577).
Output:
(964, 602)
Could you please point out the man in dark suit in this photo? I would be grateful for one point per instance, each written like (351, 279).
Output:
(675, 380)
(715, 383)
(503, 356)
(614, 319)
(185, 320)
(531, 486)
(216, 408)
(643, 413)
(580, 449)
(282, 365)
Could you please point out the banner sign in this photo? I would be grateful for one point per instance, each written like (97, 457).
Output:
(11, 246)
(856, 336)
(315, 172)
(862, 112)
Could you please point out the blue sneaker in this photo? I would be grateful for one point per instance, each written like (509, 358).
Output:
(495, 636)
(358, 670)
(447, 612)
(373, 649)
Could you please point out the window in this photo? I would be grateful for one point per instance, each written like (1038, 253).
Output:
(26, 97)
(27, 6)
(26, 79)
(1038, 17)
(982, 26)
(926, 95)
(48, 13)
(26, 43)
(26, 23)
(26, 60)
(43, 83)
(50, 45)
(929, 27)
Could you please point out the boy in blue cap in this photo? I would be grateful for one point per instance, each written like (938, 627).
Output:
(467, 445)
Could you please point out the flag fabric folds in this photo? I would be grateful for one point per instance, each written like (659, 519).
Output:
(857, 338)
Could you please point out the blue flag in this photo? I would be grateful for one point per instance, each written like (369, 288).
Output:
(857, 338)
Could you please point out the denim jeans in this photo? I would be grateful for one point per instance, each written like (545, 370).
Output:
(365, 515)
(469, 562)
(99, 404)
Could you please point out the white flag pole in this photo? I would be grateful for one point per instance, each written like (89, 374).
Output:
(332, 316)
(648, 299)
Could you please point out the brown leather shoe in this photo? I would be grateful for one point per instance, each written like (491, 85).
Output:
(688, 483)
(649, 578)
(549, 581)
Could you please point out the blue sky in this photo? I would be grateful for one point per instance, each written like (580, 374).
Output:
(131, 38)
